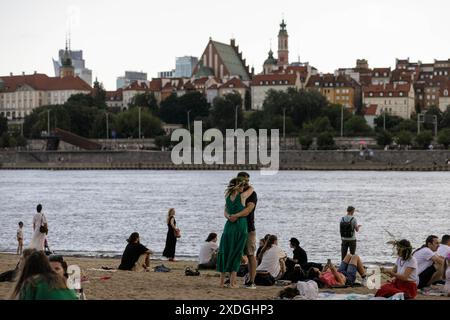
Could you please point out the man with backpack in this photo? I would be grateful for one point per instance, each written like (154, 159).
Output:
(348, 228)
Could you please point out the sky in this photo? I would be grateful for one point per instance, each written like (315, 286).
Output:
(144, 35)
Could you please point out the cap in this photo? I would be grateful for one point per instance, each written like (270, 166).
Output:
(350, 208)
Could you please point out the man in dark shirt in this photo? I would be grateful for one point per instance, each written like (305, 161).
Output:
(299, 255)
(250, 248)
(136, 256)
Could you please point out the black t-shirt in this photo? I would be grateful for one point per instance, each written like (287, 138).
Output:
(131, 255)
(251, 217)
(300, 256)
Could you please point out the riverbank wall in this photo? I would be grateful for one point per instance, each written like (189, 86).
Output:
(404, 160)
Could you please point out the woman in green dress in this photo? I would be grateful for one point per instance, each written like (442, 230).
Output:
(234, 236)
(38, 281)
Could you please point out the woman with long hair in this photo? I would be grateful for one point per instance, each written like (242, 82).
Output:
(171, 238)
(234, 236)
(272, 265)
(404, 273)
(207, 258)
(38, 281)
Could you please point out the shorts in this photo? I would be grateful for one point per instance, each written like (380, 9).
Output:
(250, 247)
(349, 271)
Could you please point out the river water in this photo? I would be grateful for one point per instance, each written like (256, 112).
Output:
(93, 212)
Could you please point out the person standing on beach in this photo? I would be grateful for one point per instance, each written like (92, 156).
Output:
(40, 229)
(234, 236)
(171, 239)
(250, 247)
(19, 237)
(348, 228)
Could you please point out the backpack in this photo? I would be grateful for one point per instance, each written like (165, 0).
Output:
(346, 228)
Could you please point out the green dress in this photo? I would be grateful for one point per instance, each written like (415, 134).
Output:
(233, 240)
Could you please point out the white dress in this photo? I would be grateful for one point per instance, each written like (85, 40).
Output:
(38, 239)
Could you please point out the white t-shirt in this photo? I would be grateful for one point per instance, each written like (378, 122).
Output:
(271, 261)
(410, 263)
(423, 257)
(206, 251)
(443, 250)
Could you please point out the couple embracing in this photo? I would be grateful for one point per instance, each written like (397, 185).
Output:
(238, 237)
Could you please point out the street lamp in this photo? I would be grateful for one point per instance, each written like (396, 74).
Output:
(235, 117)
(107, 126)
(284, 127)
(48, 122)
(384, 120)
(342, 120)
(139, 122)
(188, 121)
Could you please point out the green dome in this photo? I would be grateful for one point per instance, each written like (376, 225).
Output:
(270, 59)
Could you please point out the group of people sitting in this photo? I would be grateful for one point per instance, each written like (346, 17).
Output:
(40, 277)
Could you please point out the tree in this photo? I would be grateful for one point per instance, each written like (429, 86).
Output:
(319, 125)
(145, 100)
(163, 141)
(127, 124)
(333, 113)
(223, 112)
(384, 138)
(357, 126)
(405, 125)
(325, 141)
(174, 109)
(81, 100)
(387, 120)
(3, 124)
(444, 137)
(99, 95)
(305, 140)
(404, 138)
(445, 121)
(433, 111)
(248, 100)
(424, 139)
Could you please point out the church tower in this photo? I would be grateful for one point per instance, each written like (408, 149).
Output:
(283, 51)
(67, 69)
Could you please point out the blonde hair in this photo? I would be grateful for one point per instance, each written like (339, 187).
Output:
(170, 214)
(234, 185)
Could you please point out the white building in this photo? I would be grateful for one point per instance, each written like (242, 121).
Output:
(262, 83)
(394, 99)
(19, 95)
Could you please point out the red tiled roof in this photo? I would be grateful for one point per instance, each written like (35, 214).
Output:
(188, 86)
(274, 79)
(233, 83)
(388, 90)
(371, 110)
(42, 82)
(114, 95)
(136, 86)
(213, 86)
(200, 81)
(156, 85)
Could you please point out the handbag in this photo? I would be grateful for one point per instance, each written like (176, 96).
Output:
(177, 233)
(43, 228)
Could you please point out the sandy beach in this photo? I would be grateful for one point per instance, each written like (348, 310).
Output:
(174, 285)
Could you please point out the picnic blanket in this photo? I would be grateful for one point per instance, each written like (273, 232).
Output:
(354, 296)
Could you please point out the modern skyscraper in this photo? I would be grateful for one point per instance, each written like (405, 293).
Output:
(130, 77)
(184, 66)
(78, 64)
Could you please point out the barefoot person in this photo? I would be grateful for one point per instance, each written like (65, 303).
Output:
(345, 275)
(234, 236)
(19, 237)
(40, 229)
(250, 247)
(171, 239)
(136, 256)
(207, 258)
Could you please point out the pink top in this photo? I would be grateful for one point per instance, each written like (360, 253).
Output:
(328, 278)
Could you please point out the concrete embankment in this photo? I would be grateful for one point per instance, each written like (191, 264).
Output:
(409, 160)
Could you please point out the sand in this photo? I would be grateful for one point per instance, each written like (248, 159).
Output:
(174, 285)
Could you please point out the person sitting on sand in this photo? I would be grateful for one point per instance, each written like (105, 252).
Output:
(136, 256)
(38, 281)
(345, 275)
(262, 242)
(272, 262)
(429, 264)
(446, 275)
(208, 253)
(404, 273)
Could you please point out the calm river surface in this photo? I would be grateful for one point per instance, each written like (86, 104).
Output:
(93, 212)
